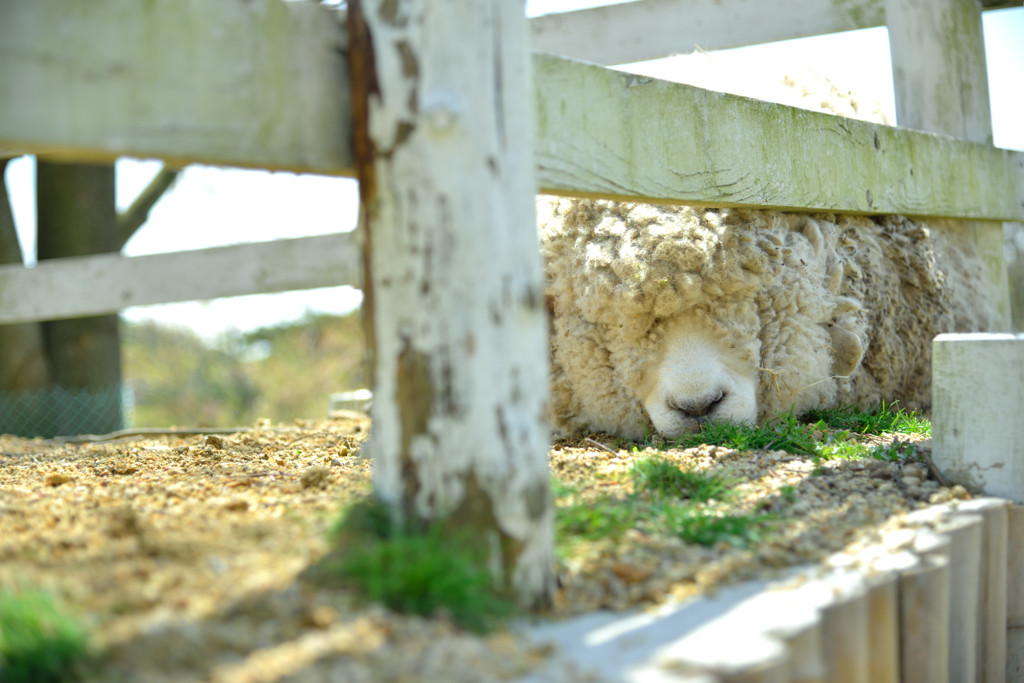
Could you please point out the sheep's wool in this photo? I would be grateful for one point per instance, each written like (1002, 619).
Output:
(666, 316)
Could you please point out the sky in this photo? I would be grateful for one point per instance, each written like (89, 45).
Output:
(210, 206)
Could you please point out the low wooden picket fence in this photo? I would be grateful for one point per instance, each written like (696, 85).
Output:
(938, 600)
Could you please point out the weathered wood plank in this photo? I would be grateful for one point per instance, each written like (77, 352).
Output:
(106, 283)
(1015, 589)
(454, 280)
(992, 598)
(636, 31)
(666, 141)
(939, 74)
(941, 86)
(259, 83)
(649, 29)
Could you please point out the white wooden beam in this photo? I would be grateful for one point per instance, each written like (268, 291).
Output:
(260, 83)
(650, 29)
(106, 283)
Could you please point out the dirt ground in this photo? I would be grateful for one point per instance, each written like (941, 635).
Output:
(184, 555)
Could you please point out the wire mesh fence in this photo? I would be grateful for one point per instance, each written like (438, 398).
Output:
(59, 411)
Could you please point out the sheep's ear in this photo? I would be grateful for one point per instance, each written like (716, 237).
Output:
(847, 350)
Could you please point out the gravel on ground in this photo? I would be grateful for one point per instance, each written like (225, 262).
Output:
(184, 555)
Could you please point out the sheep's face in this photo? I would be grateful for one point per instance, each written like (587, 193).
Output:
(695, 379)
(672, 317)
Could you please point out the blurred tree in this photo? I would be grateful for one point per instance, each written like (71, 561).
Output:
(22, 362)
(64, 377)
(76, 216)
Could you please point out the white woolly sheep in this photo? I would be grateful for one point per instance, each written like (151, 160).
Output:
(666, 317)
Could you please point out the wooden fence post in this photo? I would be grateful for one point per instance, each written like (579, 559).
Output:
(978, 396)
(978, 388)
(884, 607)
(941, 86)
(844, 635)
(453, 285)
(1015, 594)
(964, 533)
(924, 617)
(956, 537)
(991, 638)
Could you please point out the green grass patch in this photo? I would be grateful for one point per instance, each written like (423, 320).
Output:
(667, 499)
(885, 418)
(788, 493)
(841, 446)
(670, 499)
(606, 517)
(782, 432)
(38, 642)
(844, 449)
(428, 572)
(787, 433)
(663, 477)
(706, 528)
(842, 427)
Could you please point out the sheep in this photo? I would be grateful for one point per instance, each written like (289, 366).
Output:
(667, 317)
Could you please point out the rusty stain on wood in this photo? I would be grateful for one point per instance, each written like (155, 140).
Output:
(363, 76)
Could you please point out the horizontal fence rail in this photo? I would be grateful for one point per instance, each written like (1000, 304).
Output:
(637, 31)
(665, 141)
(649, 139)
(106, 283)
(256, 84)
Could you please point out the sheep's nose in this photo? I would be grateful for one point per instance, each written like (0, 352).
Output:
(697, 407)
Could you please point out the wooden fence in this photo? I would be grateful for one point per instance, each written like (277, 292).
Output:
(109, 78)
(706, 147)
